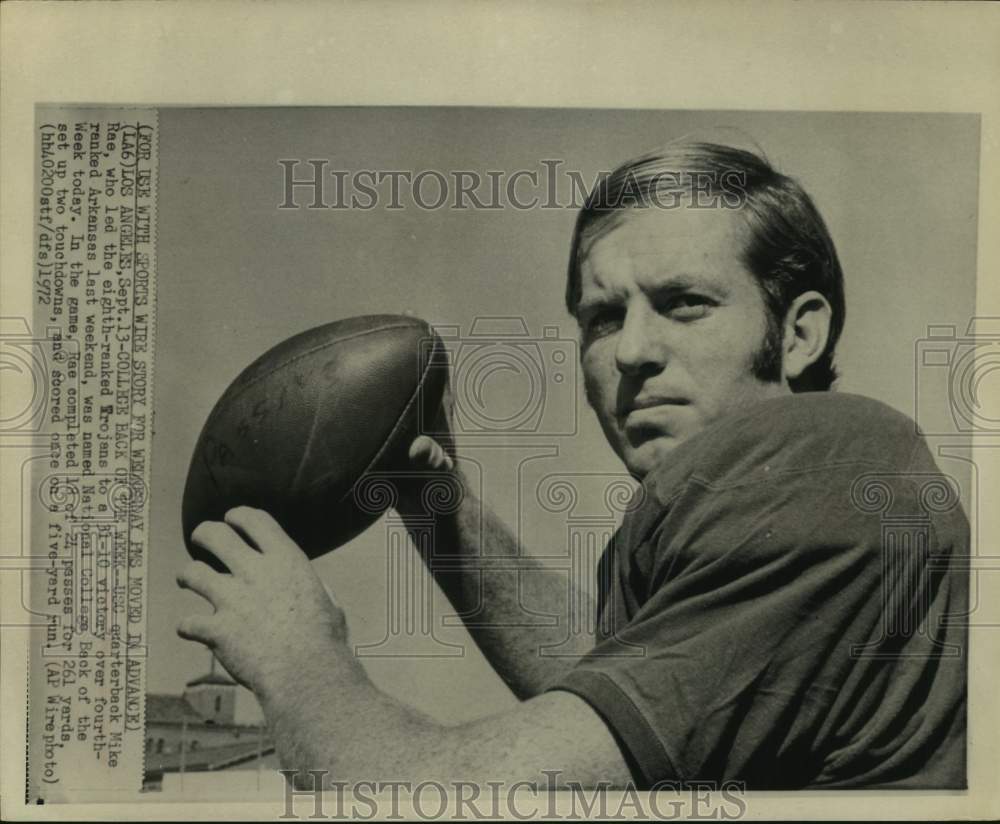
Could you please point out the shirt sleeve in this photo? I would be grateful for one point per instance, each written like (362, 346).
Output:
(737, 657)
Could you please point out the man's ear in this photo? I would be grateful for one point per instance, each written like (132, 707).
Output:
(807, 329)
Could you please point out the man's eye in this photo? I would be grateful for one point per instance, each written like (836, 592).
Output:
(688, 307)
(603, 322)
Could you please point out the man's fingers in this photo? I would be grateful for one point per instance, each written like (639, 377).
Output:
(427, 453)
(420, 450)
(200, 578)
(224, 543)
(198, 628)
(261, 529)
(442, 460)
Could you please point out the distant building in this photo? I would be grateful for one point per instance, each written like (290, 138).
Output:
(197, 731)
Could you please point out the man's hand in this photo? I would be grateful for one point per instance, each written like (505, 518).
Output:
(432, 454)
(427, 453)
(273, 618)
(276, 631)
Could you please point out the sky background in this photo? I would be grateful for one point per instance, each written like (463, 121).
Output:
(237, 275)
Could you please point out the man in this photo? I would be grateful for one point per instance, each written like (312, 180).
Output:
(754, 625)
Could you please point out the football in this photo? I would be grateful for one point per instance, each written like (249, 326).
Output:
(297, 430)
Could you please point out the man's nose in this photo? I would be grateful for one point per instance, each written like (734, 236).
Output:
(639, 351)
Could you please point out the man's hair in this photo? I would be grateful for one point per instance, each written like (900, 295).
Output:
(789, 250)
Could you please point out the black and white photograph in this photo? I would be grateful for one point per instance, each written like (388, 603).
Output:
(491, 459)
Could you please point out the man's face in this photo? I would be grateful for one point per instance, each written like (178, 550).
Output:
(670, 323)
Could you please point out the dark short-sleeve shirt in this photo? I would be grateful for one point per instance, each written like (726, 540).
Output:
(785, 606)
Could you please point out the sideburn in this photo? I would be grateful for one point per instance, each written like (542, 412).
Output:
(765, 363)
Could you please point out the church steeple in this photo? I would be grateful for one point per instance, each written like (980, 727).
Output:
(213, 695)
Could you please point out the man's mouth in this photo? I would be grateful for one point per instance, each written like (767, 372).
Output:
(642, 403)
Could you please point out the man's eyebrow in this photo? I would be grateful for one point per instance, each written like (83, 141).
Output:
(601, 294)
(686, 281)
(602, 299)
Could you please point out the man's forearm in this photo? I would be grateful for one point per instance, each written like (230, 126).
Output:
(527, 619)
(312, 731)
(329, 717)
(324, 712)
